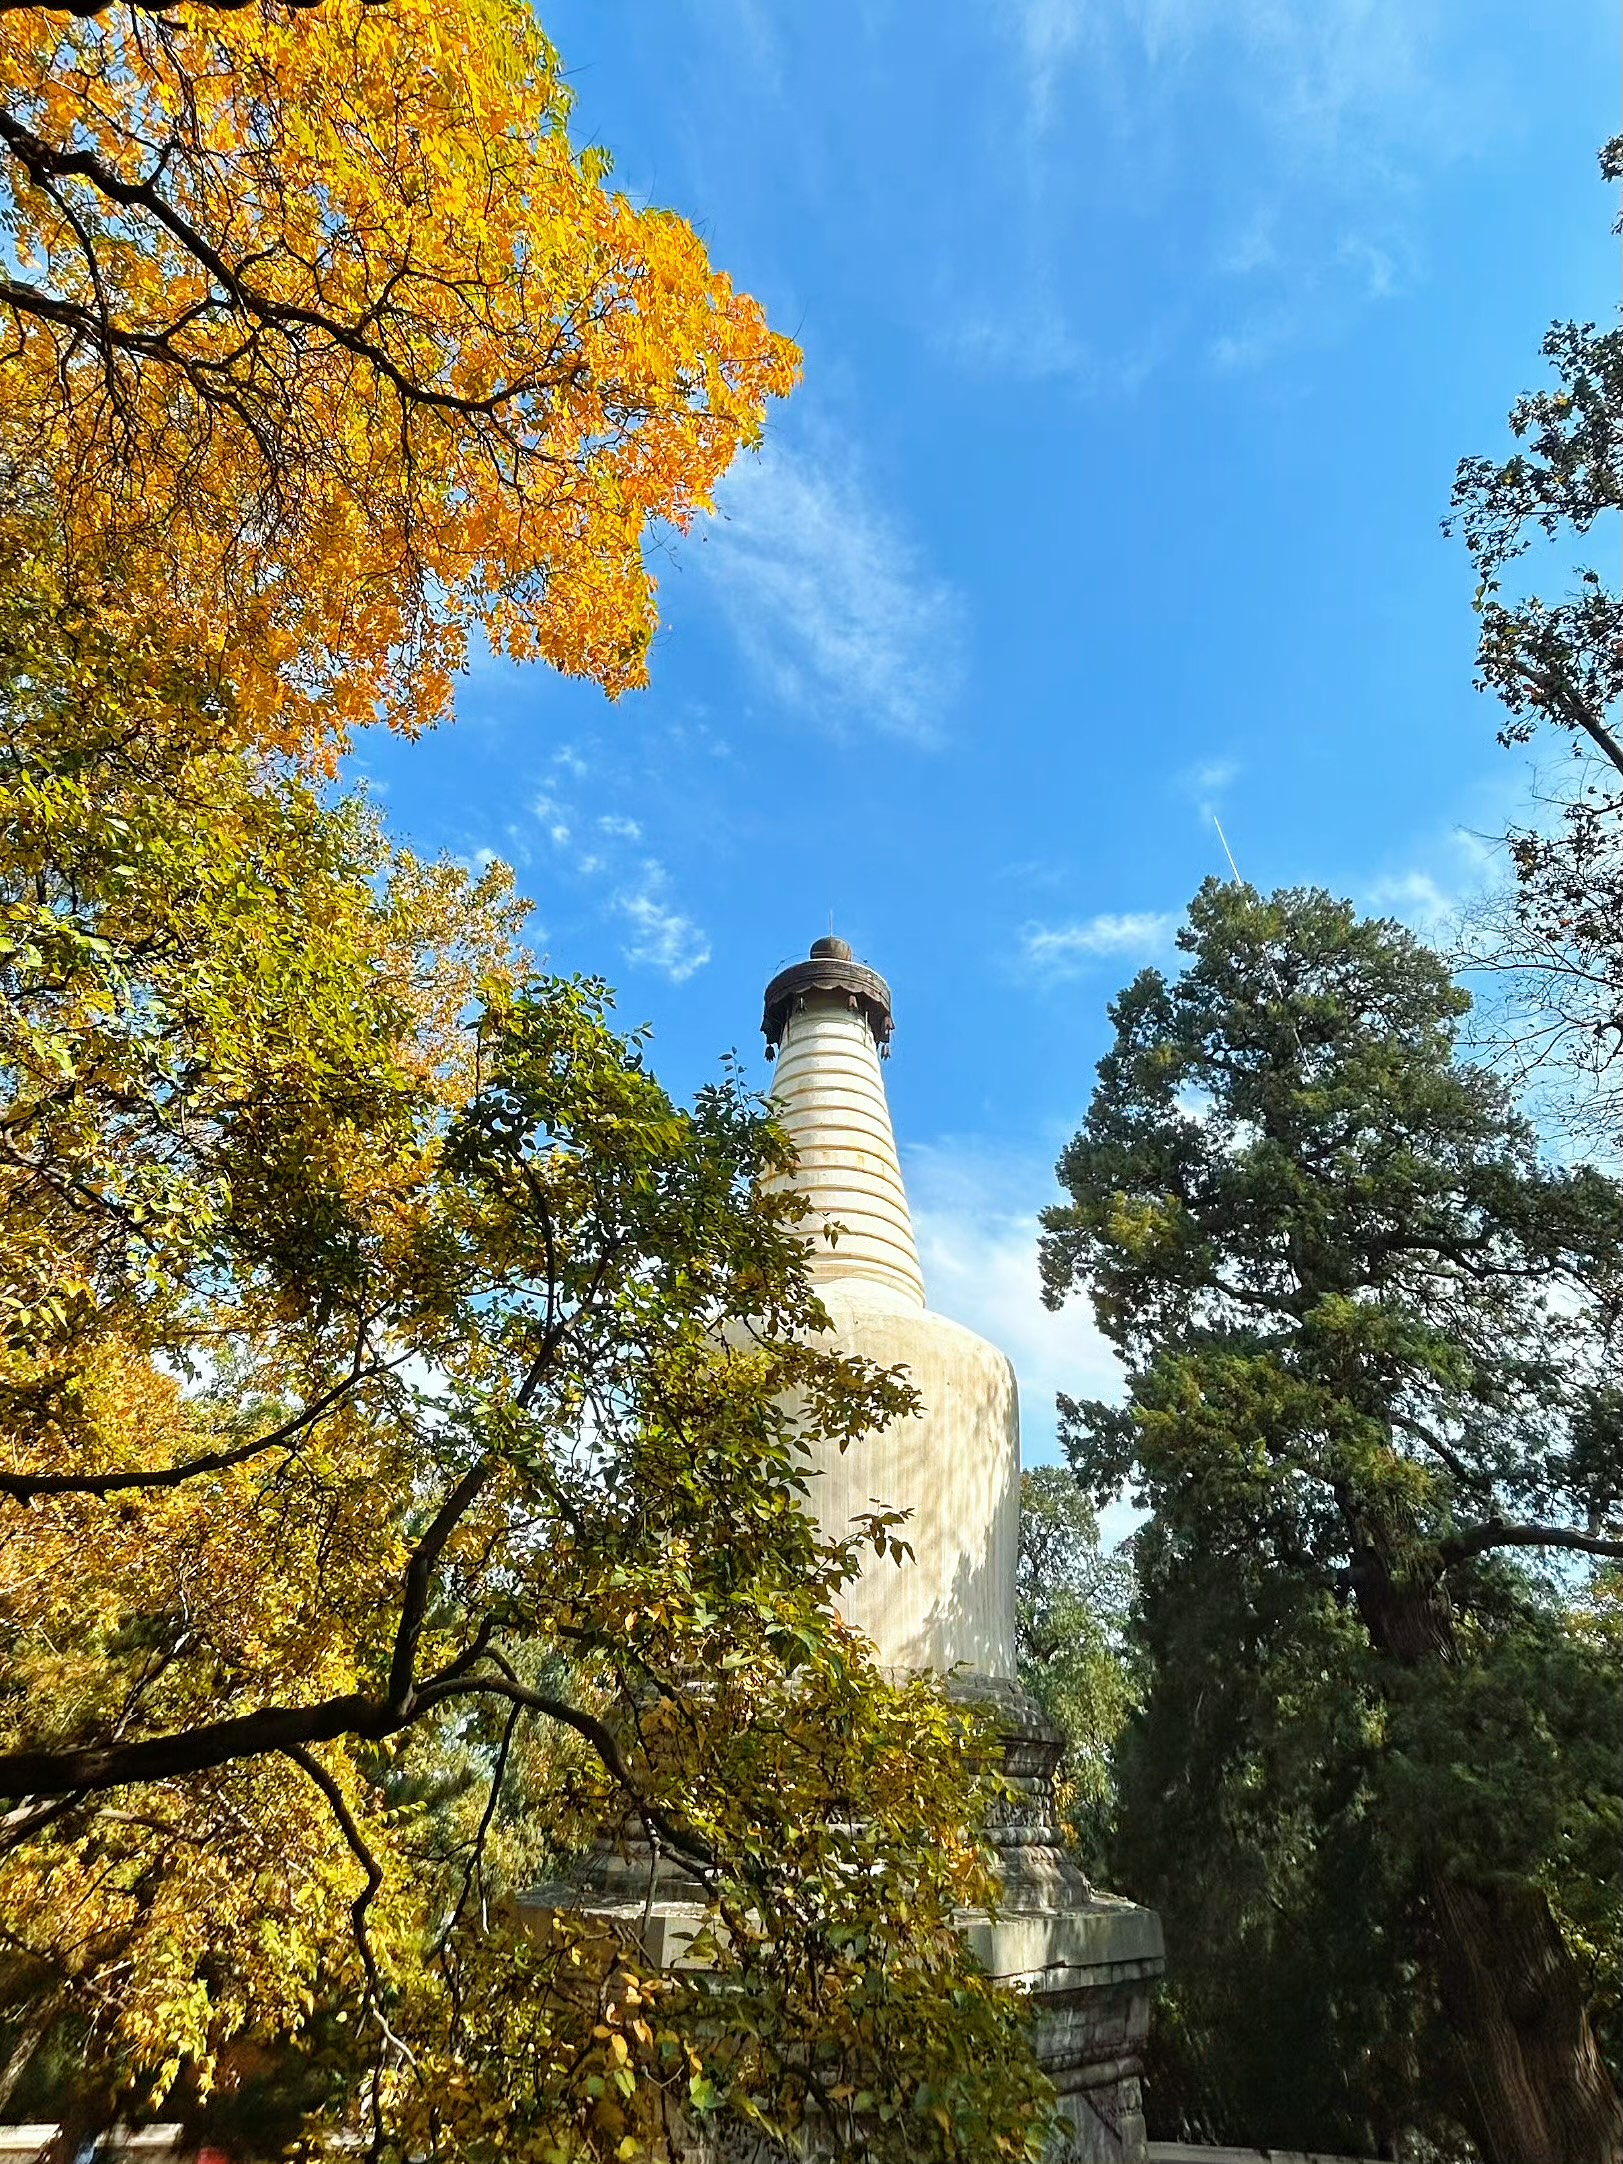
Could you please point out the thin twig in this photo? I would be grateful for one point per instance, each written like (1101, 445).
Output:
(363, 1855)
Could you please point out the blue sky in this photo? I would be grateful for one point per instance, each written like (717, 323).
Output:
(1142, 337)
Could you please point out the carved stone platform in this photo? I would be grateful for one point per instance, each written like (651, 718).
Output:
(1089, 1961)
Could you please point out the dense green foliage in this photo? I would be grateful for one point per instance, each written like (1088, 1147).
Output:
(1372, 1343)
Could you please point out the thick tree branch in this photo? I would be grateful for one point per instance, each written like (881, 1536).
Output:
(1496, 1533)
(419, 1576)
(27, 1487)
(287, 1729)
(270, 1728)
(693, 1852)
(45, 164)
(93, 1767)
(1435, 1443)
(1549, 694)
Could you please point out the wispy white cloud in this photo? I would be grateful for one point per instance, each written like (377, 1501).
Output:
(1340, 104)
(1417, 899)
(1051, 34)
(1033, 343)
(594, 849)
(1328, 283)
(1256, 342)
(1376, 267)
(1313, 69)
(826, 594)
(553, 818)
(1430, 895)
(975, 1216)
(1253, 248)
(1207, 782)
(1060, 950)
(661, 937)
(1207, 779)
(1027, 339)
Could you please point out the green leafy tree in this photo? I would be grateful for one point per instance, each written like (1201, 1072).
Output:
(1295, 2013)
(1373, 1344)
(1558, 668)
(1071, 1608)
(404, 1416)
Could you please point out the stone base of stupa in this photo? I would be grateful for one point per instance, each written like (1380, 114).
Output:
(1088, 1961)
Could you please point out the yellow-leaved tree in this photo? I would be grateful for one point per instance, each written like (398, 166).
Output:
(396, 1421)
(404, 1404)
(316, 319)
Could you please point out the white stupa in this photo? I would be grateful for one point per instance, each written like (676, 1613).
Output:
(1088, 1960)
(955, 1466)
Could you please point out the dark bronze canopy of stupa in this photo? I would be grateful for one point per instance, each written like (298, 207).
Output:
(830, 968)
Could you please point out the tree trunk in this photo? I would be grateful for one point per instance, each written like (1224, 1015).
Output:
(1536, 2090)
(1534, 2087)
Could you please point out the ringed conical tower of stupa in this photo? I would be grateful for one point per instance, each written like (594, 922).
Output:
(955, 1467)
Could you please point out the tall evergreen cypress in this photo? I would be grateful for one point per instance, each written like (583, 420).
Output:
(1373, 1344)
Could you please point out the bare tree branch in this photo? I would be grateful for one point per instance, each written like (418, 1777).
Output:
(358, 1848)
(476, 1854)
(85, 9)
(45, 165)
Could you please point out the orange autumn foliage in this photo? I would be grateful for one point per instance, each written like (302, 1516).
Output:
(320, 329)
